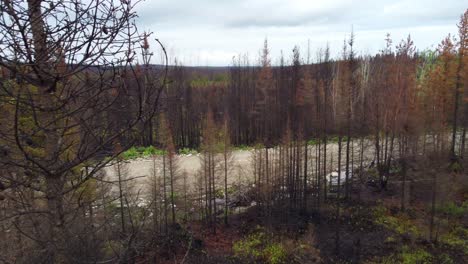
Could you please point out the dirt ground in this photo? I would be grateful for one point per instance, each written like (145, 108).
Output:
(240, 166)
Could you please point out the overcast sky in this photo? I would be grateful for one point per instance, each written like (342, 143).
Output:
(211, 32)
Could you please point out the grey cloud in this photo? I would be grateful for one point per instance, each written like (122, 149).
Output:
(212, 30)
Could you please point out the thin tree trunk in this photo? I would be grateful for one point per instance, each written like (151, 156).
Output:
(338, 194)
(324, 167)
(165, 194)
(171, 175)
(433, 206)
(122, 212)
(225, 186)
(304, 195)
(348, 142)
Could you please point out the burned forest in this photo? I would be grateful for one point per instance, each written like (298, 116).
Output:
(113, 150)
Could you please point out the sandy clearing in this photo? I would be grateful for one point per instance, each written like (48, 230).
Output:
(240, 167)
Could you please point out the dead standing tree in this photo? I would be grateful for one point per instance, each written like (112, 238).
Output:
(69, 63)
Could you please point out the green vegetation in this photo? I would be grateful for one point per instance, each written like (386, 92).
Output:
(334, 139)
(174, 195)
(409, 256)
(453, 210)
(145, 152)
(456, 167)
(243, 147)
(275, 253)
(204, 81)
(457, 239)
(219, 193)
(186, 151)
(415, 256)
(131, 153)
(399, 224)
(141, 152)
(249, 246)
(260, 247)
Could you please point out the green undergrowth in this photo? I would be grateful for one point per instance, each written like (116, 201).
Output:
(145, 152)
(409, 255)
(412, 252)
(187, 151)
(243, 147)
(259, 246)
(141, 152)
(400, 223)
(456, 239)
(452, 209)
(414, 255)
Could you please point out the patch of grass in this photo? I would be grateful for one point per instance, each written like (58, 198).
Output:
(249, 246)
(150, 151)
(275, 253)
(141, 152)
(259, 247)
(140, 149)
(453, 210)
(415, 256)
(186, 151)
(243, 147)
(408, 256)
(399, 224)
(457, 239)
(203, 81)
(313, 142)
(131, 153)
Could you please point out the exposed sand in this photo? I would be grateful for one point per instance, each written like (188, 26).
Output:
(239, 167)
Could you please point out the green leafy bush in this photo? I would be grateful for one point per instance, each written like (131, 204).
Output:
(149, 151)
(140, 152)
(140, 149)
(186, 151)
(131, 153)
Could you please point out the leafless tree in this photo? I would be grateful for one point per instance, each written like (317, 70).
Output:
(69, 65)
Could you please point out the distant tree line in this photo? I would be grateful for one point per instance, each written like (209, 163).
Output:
(397, 91)
(77, 90)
